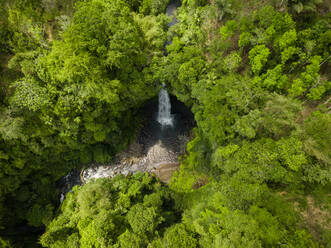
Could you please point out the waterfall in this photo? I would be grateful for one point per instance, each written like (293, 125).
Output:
(164, 114)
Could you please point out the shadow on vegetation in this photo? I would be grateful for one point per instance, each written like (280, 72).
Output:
(169, 136)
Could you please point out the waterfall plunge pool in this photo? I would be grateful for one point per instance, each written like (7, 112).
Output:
(155, 150)
(160, 142)
(162, 139)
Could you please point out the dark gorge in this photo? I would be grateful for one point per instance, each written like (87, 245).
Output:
(159, 123)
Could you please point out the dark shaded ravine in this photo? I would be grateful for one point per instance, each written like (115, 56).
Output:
(155, 150)
(170, 11)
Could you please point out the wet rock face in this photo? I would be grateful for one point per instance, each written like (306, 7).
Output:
(165, 171)
(160, 159)
(66, 183)
(156, 149)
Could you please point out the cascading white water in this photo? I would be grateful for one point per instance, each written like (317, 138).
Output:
(156, 155)
(164, 115)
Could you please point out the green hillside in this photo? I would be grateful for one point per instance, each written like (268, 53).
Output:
(75, 76)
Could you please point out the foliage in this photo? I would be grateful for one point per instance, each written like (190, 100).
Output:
(154, 30)
(304, 5)
(123, 212)
(177, 236)
(258, 57)
(228, 29)
(5, 243)
(315, 142)
(153, 7)
(73, 75)
(308, 78)
(55, 117)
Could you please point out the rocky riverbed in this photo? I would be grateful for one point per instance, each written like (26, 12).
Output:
(160, 158)
(158, 145)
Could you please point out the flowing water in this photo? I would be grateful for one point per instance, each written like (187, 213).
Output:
(164, 114)
(170, 11)
(156, 151)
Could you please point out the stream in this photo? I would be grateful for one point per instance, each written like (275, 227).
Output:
(156, 150)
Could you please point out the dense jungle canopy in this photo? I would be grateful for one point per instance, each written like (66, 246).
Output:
(74, 75)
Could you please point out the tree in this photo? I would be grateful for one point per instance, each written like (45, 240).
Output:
(316, 128)
(153, 7)
(229, 29)
(112, 212)
(304, 5)
(178, 236)
(5, 243)
(307, 78)
(143, 219)
(258, 57)
(280, 115)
